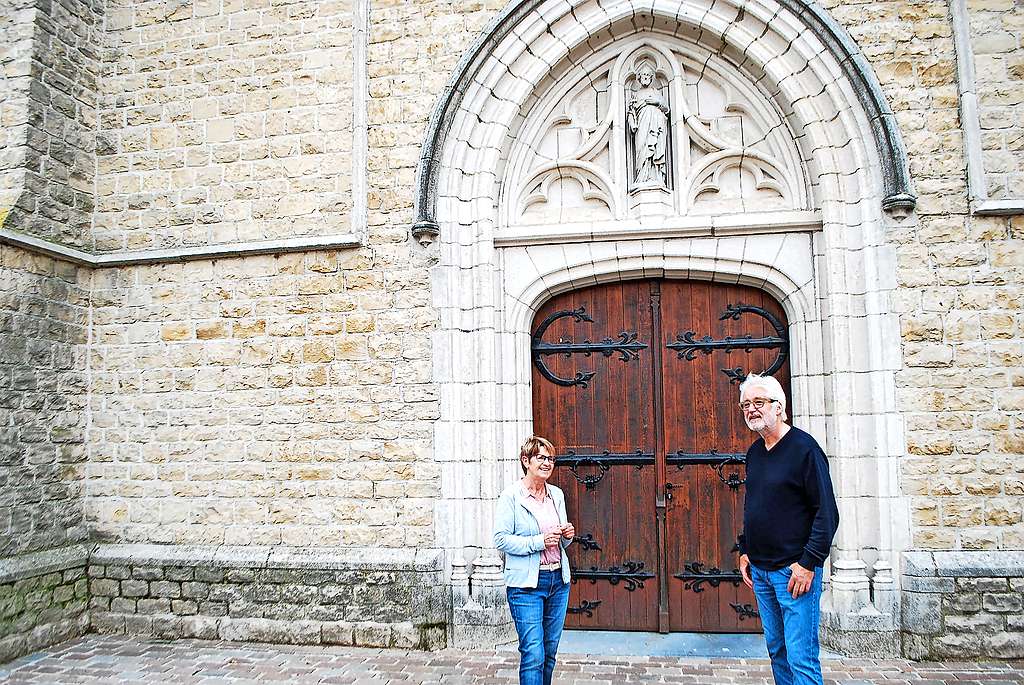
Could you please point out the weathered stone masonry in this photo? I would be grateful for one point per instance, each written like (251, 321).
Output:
(44, 599)
(281, 408)
(384, 599)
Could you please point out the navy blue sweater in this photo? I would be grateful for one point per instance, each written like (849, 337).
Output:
(789, 509)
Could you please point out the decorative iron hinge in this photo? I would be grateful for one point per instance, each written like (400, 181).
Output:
(585, 607)
(745, 611)
(587, 542)
(602, 461)
(631, 574)
(688, 347)
(717, 461)
(626, 346)
(694, 576)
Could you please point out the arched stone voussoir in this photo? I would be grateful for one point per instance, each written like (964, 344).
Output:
(748, 32)
(524, 296)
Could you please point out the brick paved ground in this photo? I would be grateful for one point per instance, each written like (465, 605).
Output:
(96, 659)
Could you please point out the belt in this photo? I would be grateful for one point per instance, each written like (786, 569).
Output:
(551, 567)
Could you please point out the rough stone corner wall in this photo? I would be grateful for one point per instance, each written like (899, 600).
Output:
(47, 72)
(48, 117)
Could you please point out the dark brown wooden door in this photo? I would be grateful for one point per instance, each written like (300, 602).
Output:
(636, 385)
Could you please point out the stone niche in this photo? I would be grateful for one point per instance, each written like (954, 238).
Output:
(650, 127)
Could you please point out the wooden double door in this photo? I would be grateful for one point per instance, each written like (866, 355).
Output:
(636, 384)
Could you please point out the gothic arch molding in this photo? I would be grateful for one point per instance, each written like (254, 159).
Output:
(805, 22)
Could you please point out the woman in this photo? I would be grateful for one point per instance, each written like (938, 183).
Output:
(532, 530)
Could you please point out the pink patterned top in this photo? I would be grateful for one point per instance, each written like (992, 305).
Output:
(547, 517)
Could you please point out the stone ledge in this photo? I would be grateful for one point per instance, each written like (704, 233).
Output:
(354, 559)
(13, 569)
(183, 254)
(980, 564)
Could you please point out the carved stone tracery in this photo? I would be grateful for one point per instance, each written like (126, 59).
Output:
(652, 120)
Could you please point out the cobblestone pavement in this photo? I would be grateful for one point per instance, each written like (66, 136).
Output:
(98, 659)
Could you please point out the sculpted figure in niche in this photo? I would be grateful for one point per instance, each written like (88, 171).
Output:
(648, 122)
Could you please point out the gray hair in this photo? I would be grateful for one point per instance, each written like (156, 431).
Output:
(771, 386)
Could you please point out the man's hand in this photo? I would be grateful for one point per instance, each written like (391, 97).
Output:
(800, 581)
(745, 571)
(551, 539)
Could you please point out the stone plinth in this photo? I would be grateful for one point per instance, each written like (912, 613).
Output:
(364, 597)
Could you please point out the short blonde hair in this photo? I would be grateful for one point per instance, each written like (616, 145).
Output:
(771, 386)
(531, 448)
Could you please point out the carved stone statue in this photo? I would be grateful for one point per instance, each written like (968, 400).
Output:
(647, 118)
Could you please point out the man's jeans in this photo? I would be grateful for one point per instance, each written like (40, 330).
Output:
(539, 614)
(790, 626)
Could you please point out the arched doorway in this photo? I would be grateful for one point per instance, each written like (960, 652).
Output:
(781, 155)
(636, 384)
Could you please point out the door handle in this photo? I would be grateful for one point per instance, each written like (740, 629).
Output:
(668, 490)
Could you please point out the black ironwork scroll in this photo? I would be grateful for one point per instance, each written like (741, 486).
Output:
(694, 576)
(585, 607)
(602, 461)
(587, 542)
(627, 346)
(631, 574)
(745, 611)
(718, 461)
(687, 346)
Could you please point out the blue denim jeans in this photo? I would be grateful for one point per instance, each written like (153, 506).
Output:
(539, 614)
(790, 626)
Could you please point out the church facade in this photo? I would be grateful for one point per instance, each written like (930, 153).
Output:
(286, 283)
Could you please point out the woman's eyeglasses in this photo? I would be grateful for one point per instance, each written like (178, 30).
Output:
(544, 457)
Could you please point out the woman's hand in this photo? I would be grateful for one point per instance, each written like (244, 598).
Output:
(568, 532)
(551, 539)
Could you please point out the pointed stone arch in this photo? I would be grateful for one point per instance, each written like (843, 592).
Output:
(807, 32)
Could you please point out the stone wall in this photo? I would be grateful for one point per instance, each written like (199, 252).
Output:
(262, 401)
(16, 31)
(43, 600)
(963, 605)
(224, 121)
(49, 118)
(368, 597)
(43, 329)
(960, 297)
(997, 40)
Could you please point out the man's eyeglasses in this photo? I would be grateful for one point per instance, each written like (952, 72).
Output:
(756, 403)
(544, 457)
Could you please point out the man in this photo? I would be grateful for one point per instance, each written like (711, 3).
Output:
(789, 520)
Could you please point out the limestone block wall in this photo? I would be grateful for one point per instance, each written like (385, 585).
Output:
(48, 111)
(43, 388)
(997, 40)
(960, 296)
(263, 401)
(224, 121)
